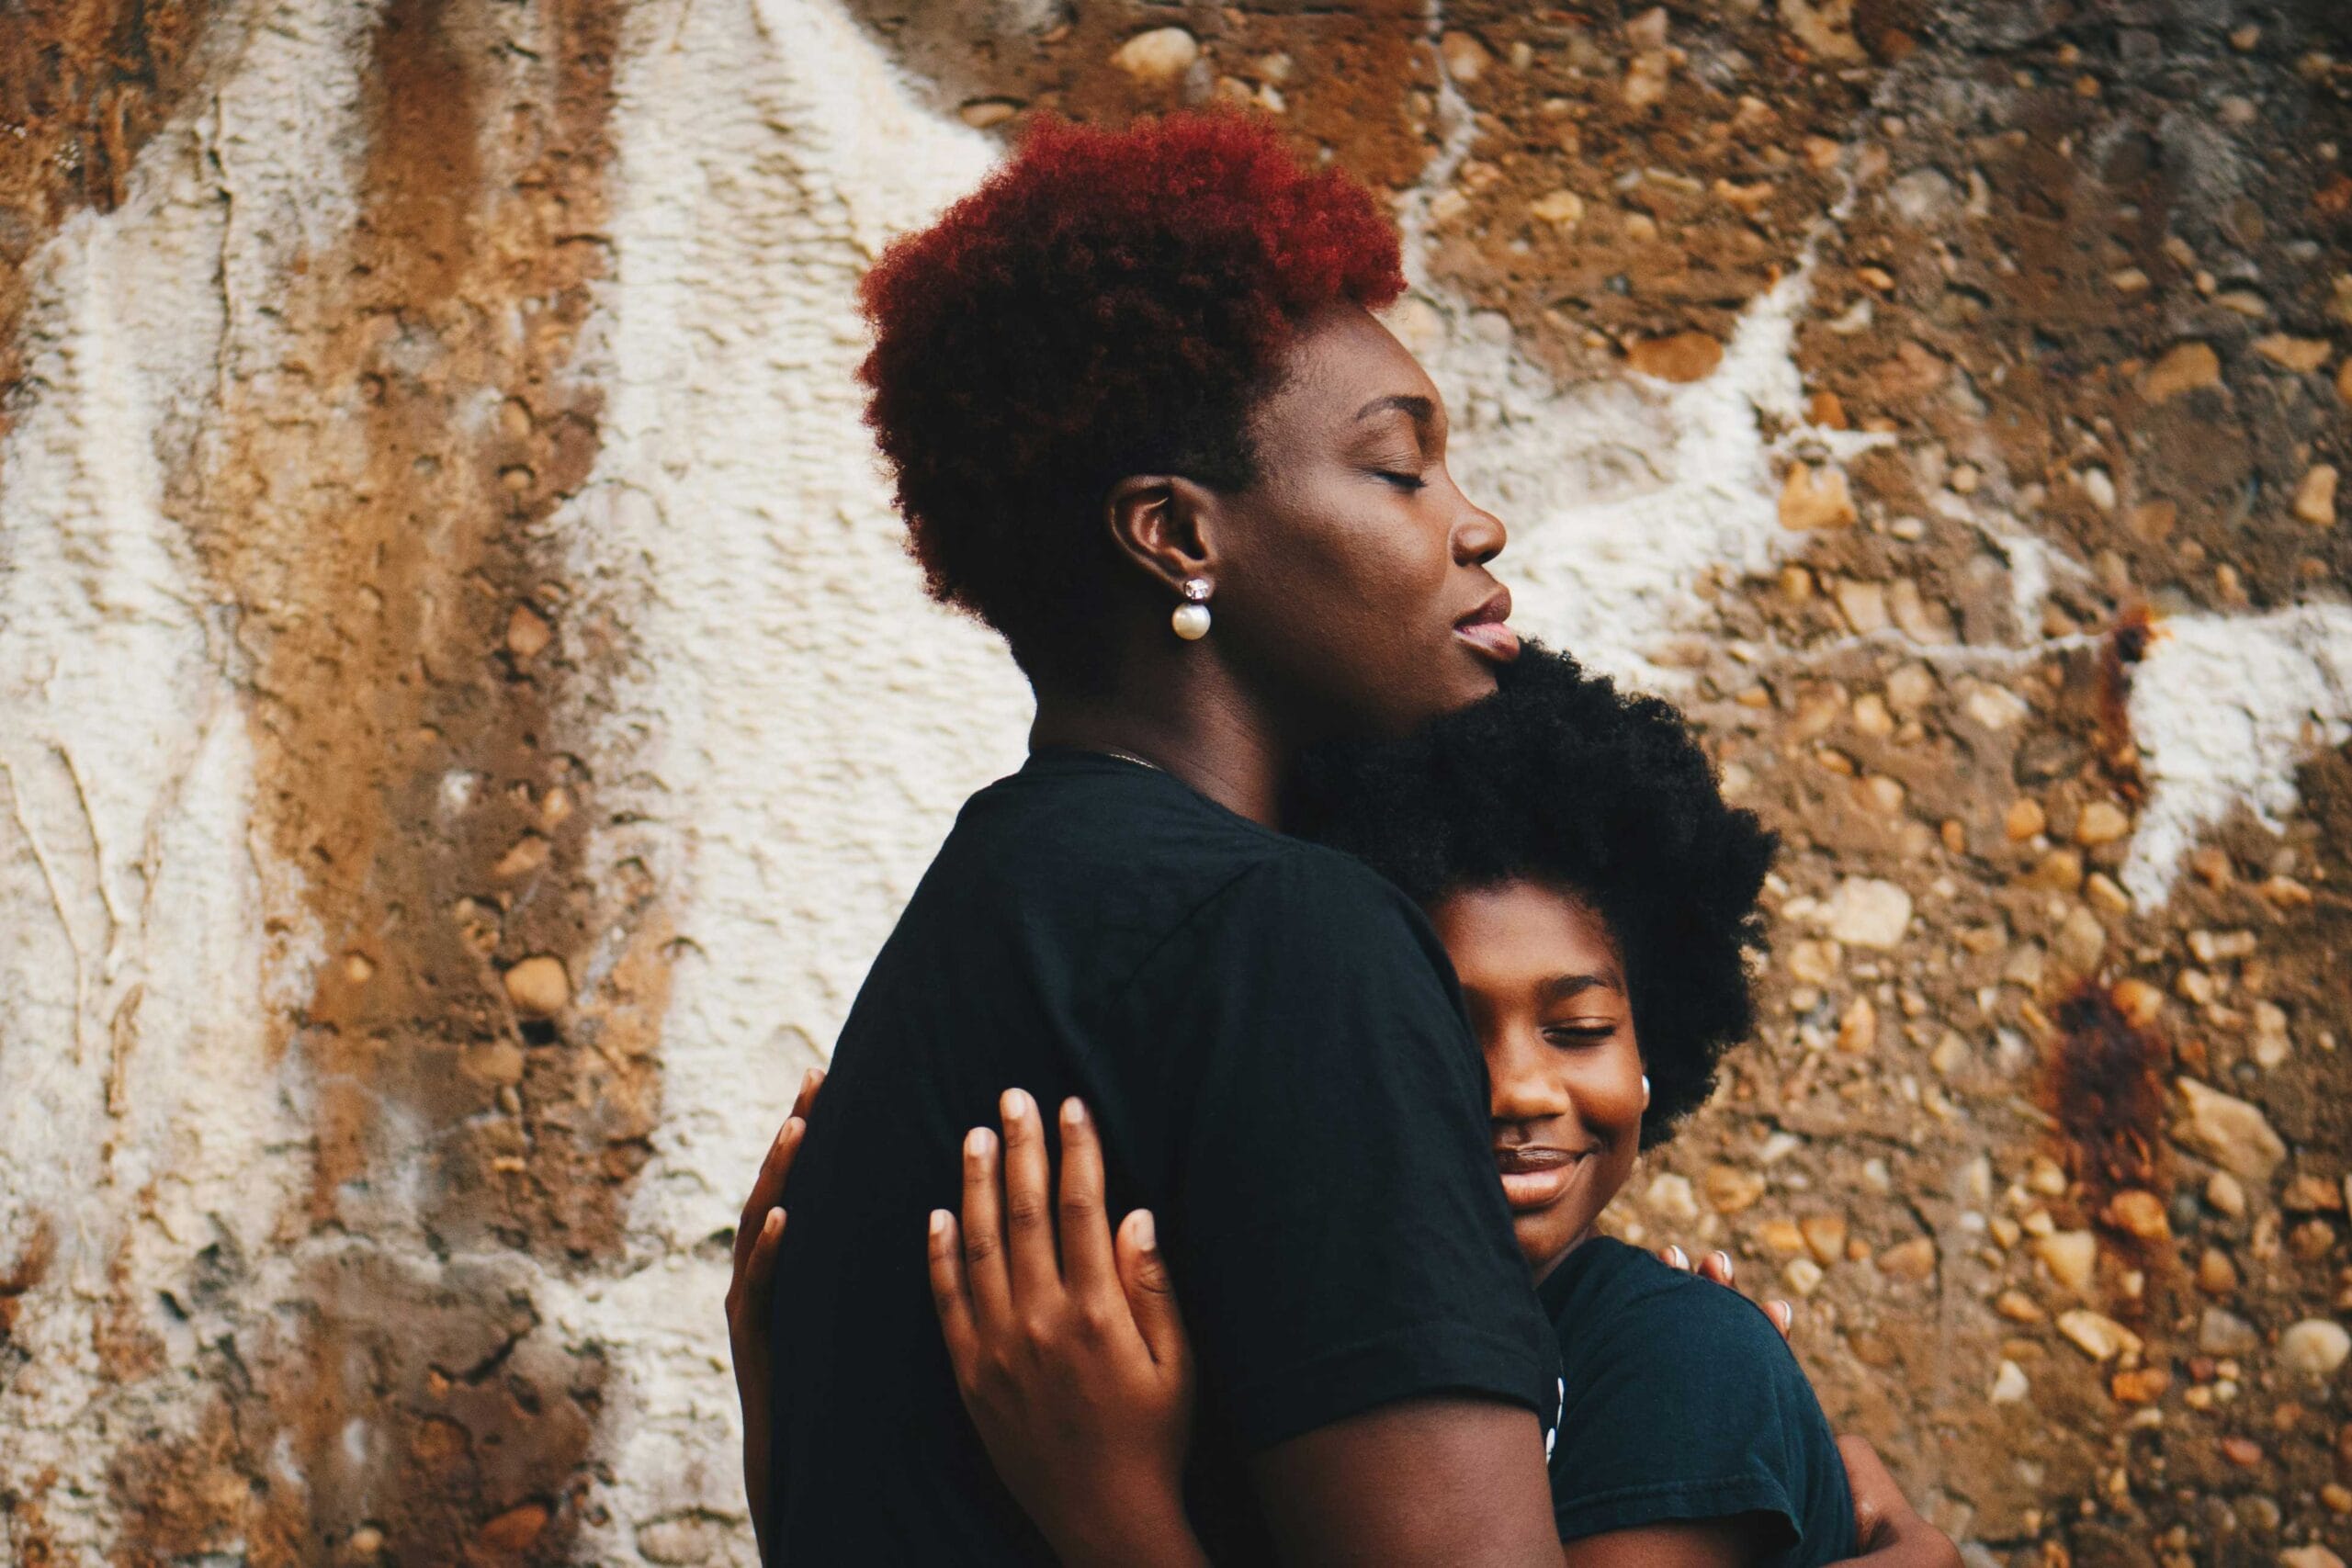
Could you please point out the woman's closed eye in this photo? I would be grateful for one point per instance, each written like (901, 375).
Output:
(1580, 1032)
(1404, 482)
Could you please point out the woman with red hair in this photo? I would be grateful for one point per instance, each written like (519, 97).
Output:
(1143, 422)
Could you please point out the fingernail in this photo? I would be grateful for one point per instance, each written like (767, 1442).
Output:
(1681, 1259)
(1017, 1105)
(774, 1223)
(808, 1080)
(978, 1142)
(1073, 1112)
(1723, 1261)
(938, 1224)
(1147, 1231)
(794, 1126)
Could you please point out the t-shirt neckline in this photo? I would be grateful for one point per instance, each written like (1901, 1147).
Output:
(1057, 757)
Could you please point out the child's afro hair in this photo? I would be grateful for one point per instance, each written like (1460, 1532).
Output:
(1561, 779)
(1108, 304)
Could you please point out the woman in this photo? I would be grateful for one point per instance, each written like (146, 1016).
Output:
(1143, 422)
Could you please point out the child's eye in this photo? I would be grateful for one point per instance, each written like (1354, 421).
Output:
(1566, 1034)
(1404, 482)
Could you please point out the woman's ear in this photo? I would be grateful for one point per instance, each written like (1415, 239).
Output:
(1166, 525)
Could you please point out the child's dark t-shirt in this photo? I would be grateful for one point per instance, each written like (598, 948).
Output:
(1682, 1402)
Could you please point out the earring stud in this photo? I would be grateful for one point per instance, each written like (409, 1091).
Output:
(1191, 620)
(1646, 1090)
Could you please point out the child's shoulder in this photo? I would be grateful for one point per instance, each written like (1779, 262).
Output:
(1621, 1298)
(1683, 1402)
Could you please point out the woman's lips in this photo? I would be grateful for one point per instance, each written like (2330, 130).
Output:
(1493, 639)
(1483, 629)
(1536, 1178)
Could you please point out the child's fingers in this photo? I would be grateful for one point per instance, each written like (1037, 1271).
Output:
(767, 1188)
(1028, 1202)
(1152, 1294)
(1087, 1263)
(952, 1298)
(805, 1100)
(759, 1269)
(983, 1233)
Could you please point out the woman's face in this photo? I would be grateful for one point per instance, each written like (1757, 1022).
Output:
(1545, 989)
(1352, 580)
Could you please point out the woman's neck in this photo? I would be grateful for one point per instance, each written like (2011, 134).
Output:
(1194, 725)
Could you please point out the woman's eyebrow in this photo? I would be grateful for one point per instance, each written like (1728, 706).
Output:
(1421, 410)
(1563, 988)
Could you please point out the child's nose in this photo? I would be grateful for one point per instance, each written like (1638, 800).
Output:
(1520, 1091)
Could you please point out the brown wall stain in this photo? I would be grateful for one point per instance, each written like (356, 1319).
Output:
(83, 85)
(373, 501)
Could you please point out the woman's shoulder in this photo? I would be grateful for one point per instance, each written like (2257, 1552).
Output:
(1297, 883)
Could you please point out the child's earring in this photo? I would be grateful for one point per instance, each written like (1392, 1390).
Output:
(1191, 617)
(1645, 1091)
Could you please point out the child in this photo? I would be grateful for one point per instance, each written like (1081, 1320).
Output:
(1570, 846)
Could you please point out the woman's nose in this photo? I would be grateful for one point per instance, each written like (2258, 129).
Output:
(1479, 537)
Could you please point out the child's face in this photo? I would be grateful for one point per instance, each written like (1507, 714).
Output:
(1545, 989)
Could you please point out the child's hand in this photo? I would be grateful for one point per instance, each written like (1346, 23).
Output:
(752, 1286)
(1717, 1266)
(1077, 1372)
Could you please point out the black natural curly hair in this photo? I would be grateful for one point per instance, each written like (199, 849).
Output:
(1561, 778)
(1109, 303)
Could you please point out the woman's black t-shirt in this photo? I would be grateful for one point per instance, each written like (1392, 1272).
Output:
(1270, 1040)
(1682, 1402)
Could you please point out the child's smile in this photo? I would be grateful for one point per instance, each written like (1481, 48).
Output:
(1545, 988)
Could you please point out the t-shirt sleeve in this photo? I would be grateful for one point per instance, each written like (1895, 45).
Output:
(1335, 1227)
(1692, 1408)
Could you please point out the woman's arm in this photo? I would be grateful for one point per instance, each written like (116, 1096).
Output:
(1695, 1543)
(751, 1287)
(1075, 1369)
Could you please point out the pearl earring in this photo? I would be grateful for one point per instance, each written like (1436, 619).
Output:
(1191, 617)
(1645, 1090)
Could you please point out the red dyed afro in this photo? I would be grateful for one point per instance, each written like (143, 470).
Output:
(1109, 303)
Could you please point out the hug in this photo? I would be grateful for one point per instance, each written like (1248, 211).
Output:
(1354, 951)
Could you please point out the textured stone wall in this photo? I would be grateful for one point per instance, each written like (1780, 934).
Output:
(465, 721)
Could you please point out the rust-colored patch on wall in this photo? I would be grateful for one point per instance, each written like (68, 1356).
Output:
(27, 1270)
(24, 1524)
(2126, 644)
(83, 85)
(2104, 1084)
(375, 505)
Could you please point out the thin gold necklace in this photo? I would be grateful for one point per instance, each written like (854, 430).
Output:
(1130, 757)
